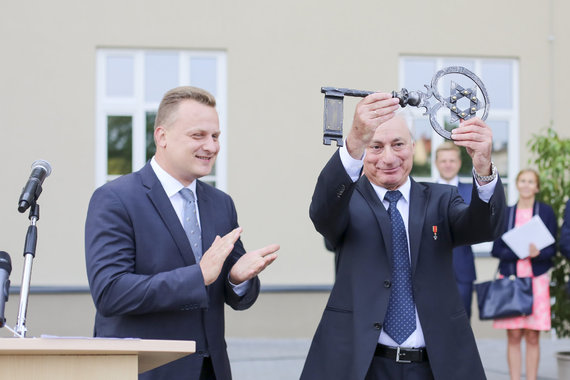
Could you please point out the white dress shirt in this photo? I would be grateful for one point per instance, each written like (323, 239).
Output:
(453, 182)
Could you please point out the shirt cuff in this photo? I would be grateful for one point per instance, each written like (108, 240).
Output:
(486, 191)
(240, 289)
(352, 166)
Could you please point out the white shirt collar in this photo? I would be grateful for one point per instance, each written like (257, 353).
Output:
(404, 189)
(170, 184)
(454, 181)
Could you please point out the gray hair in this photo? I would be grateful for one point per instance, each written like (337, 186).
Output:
(408, 116)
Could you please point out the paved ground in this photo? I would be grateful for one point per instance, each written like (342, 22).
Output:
(282, 359)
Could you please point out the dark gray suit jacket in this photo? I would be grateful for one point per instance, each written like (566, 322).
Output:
(463, 259)
(143, 276)
(351, 217)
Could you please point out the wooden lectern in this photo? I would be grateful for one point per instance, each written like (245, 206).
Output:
(86, 358)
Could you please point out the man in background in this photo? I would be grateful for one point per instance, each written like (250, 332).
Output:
(448, 163)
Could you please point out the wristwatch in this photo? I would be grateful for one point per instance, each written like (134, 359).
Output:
(486, 178)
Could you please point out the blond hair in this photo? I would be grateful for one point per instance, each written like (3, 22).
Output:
(446, 146)
(174, 97)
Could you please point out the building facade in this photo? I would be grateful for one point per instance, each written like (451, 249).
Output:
(80, 82)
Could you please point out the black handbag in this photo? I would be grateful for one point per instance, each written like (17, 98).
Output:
(504, 297)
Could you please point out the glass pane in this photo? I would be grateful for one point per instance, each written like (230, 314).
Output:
(160, 74)
(203, 74)
(150, 146)
(497, 77)
(500, 130)
(422, 153)
(119, 144)
(119, 80)
(417, 73)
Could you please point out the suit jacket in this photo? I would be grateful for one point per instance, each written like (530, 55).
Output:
(463, 260)
(144, 279)
(351, 217)
(565, 232)
(508, 259)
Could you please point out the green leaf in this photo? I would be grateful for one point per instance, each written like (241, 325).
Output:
(551, 155)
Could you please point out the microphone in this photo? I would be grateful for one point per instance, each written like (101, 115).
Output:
(31, 192)
(5, 269)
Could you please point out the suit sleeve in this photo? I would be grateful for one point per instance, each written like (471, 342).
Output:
(231, 298)
(501, 250)
(330, 201)
(110, 252)
(479, 221)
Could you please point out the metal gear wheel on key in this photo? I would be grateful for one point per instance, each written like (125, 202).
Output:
(457, 92)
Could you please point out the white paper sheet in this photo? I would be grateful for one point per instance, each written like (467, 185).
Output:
(534, 231)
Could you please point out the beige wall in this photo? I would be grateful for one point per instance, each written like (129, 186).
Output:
(279, 55)
(274, 315)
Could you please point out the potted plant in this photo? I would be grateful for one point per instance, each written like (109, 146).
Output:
(552, 159)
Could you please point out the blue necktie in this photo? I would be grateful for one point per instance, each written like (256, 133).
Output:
(400, 321)
(190, 223)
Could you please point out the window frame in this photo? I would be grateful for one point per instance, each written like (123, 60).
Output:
(137, 107)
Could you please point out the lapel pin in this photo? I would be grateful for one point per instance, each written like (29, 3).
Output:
(434, 229)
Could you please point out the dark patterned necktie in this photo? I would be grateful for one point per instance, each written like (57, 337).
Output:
(190, 223)
(400, 321)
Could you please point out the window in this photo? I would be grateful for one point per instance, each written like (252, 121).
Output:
(130, 85)
(500, 77)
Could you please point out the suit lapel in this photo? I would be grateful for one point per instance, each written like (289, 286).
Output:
(382, 217)
(416, 217)
(164, 208)
(206, 207)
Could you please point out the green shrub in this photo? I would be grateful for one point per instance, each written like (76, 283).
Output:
(552, 159)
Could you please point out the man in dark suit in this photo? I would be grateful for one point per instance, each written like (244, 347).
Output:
(388, 318)
(144, 238)
(448, 163)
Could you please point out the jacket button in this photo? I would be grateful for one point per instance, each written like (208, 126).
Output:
(340, 191)
(377, 326)
(387, 284)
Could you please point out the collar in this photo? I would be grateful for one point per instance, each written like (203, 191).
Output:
(454, 181)
(404, 189)
(170, 184)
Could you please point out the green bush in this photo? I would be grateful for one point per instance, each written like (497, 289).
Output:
(552, 159)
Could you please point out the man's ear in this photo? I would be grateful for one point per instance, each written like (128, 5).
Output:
(160, 136)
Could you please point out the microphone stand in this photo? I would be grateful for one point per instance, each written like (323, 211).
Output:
(29, 254)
